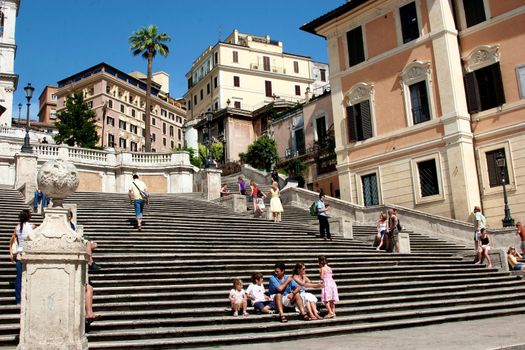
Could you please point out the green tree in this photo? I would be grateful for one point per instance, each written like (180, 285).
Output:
(195, 159)
(295, 167)
(76, 124)
(262, 153)
(217, 150)
(148, 42)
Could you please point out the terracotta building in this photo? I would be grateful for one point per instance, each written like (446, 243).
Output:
(119, 100)
(428, 103)
(47, 111)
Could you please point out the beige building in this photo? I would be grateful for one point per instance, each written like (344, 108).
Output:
(426, 95)
(238, 76)
(8, 77)
(119, 101)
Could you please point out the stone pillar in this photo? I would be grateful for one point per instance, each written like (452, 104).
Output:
(462, 175)
(211, 183)
(404, 243)
(26, 171)
(52, 313)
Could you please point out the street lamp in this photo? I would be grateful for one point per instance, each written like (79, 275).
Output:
(209, 164)
(507, 221)
(19, 113)
(28, 91)
(104, 110)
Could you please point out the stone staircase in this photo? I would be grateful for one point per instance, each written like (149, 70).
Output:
(166, 287)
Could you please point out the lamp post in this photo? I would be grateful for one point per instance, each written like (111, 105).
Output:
(209, 164)
(28, 91)
(507, 221)
(104, 110)
(19, 113)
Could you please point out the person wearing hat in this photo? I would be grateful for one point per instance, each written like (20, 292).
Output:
(479, 223)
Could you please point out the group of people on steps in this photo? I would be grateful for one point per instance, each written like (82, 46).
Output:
(287, 292)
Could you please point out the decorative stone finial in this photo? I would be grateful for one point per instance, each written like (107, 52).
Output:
(58, 179)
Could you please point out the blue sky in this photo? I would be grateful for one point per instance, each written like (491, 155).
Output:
(57, 38)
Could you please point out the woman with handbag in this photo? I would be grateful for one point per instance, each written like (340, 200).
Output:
(16, 246)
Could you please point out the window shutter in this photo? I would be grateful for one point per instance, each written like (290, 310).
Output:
(352, 130)
(498, 84)
(492, 169)
(366, 119)
(472, 90)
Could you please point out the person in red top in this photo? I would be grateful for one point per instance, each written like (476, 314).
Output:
(520, 231)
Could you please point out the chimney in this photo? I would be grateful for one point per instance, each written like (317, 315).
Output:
(307, 95)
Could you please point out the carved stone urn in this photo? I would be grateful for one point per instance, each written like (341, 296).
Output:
(58, 179)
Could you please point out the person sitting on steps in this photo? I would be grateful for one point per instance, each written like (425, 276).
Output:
(513, 258)
(284, 295)
(484, 248)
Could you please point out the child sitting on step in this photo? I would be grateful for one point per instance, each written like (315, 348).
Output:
(238, 298)
(256, 293)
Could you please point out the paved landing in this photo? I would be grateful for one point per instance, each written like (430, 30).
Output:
(484, 334)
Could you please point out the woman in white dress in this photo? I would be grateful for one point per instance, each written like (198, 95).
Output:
(275, 203)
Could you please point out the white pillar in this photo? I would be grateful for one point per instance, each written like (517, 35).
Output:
(211, 183)
(26, 172)
(53, 299)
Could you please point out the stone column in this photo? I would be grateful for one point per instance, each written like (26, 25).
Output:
(211, 183)
(26, 171)
(53, 306)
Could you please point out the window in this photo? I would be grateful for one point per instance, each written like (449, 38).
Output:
(208, 89)
(323, 74)
(202, 94)
(299, 141)
(409, 25)
(484, 88)
(320, 128)
(164, 128)
(122, 124)
(111, 140)
(370, 191)
(90, 104)
(163, 113)
(122, 143)
(235, 56)
(419, 102)
(359, 121)
(295, 67)
(132, 112)
(133, 128)
(54, 97)
(143, 117)
(110, 103)
(268, 88)
(356, 50)
(189, 105)
(493, 169)
(237, 104)
(428, 178)
(133, 146)
(266, 63)
(153, 137)
(215, 82)
(236, 81)
(110, 121)
(171, 130)
(179, 119)
(474, 12)
(178, 134)
(153, 121)
(216, 105)
(172, 144)
(122, 108)
(164, 141)
(171, 116)
(195, 100)
(298, 90)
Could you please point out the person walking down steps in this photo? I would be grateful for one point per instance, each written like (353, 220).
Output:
(138, 196)
(276, 206)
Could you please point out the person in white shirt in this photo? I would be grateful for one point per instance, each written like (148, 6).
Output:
(136, 197)
(479, 223)
(256, 293)
(238, 298)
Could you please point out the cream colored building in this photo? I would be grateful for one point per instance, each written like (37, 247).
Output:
(426, 94)
(8, 78)
(238, 76)
(119, 100)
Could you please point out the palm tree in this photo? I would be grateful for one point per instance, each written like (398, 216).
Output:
(147, 42)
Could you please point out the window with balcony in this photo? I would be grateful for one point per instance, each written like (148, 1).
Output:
(266, 63)
(356, 49)
(409, 24)
(268, 88)
(122, 143)
(111, 140)
(322, 72)
(484, 88)
(236, 81)
(417, 92)
(133, 146)
(419, 102)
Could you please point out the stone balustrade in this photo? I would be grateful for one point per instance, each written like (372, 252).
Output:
(106, 170)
